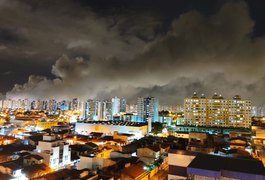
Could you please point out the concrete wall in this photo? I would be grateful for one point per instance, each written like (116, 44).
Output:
(86, 128)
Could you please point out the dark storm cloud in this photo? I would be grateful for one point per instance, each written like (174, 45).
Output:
(8, 36)
(51, 29)
(36, 33)
(205, 53)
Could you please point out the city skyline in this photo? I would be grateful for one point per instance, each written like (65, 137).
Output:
(132, 89)
(129, 49)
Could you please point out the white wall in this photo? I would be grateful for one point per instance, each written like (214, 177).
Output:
(86, 128)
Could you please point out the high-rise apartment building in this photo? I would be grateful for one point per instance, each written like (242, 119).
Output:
(115, 106)
(258, 111)
(64, 105)
(217, 111)
(97, 110)
(75, 104)
(140, 109)
(123, 105)
(90, 109)
(147, 107)
(52, 105)
(107, 110)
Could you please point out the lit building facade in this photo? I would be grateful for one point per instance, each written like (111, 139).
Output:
(115, 106)
(217, 111)
(107, 110)
(75, 104)
(55, 152)
(108, 127)
(123, 105)
(147, 107)
(41, 125)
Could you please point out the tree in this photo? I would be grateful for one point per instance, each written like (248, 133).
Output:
(157, 127)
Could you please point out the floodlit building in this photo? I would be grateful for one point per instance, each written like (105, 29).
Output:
(109, 127)
(217, 111)
(55, 152)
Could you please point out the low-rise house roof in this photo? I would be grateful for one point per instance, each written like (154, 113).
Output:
(154, 148)
(11, 165)
(35, 156)
(134, 171)
(91, 145)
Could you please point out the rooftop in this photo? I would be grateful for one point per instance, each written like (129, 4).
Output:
(11, 164)
(29, 170)
(134, 171)
(182, 152)
(35, 156)
(66, 174)
(154, 148)
(218, 163)
(117, 123)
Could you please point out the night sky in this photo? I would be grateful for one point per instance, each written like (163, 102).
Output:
(104, 48)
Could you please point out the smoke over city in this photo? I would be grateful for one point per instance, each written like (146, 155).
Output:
(79, 52)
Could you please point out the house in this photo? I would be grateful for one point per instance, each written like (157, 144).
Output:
(32, 159)
(11, 168)
(7, 151)
(205, 166)
(91, 146)
(26, 166)
(148, 154)
(125, 137)
(135, 172)
(80, 149)
(130, 148)
(149, 151)
(198, 138)
(34, 139)
(94, 163)
(164, 148)
(200, 142)
(238, 143)
(83, 174)
(36, 170)
(118, 154)
(95, 135)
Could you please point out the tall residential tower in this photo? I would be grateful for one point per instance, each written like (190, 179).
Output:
(147, 107)
(217, 111)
